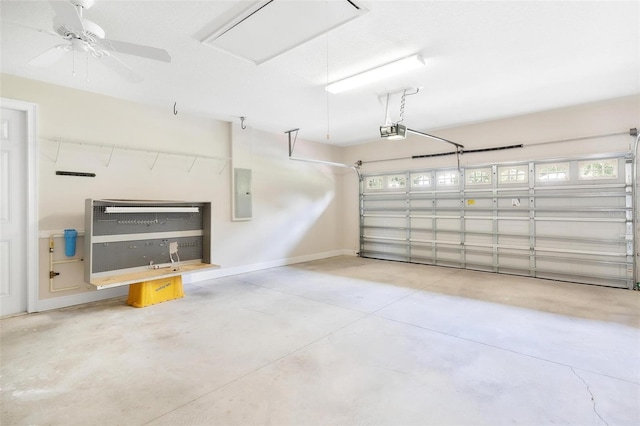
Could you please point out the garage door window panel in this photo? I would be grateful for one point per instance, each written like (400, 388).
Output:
(598, 169)
(513, 175)
(554, 172)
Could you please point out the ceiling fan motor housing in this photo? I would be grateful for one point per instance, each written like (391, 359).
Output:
(85, 4)
(90, 33)
(92, 29)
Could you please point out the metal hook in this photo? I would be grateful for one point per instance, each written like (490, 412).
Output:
(242, 125)
(175, 112)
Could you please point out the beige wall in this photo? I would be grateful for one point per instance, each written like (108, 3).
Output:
(300, 210)
(599, 118)
(295, 205)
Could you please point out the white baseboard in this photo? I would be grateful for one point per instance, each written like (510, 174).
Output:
(226, 272)
(81, 298)
(109, 293)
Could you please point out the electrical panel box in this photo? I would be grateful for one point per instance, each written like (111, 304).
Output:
(242, 194)
(129, 241)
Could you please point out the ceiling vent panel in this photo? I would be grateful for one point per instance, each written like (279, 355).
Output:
(270, 28)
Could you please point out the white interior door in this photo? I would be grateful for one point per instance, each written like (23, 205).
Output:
(13, 211)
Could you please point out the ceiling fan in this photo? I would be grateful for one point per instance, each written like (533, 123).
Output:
(85, 36)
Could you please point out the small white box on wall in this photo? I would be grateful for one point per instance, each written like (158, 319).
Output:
(241, 160)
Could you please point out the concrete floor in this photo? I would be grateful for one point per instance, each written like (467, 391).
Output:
(337, 341)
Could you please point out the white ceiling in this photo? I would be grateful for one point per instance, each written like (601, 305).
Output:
(485, 60)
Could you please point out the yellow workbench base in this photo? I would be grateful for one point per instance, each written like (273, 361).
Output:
(156, 291)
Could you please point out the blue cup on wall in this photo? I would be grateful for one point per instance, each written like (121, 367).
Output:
(70, 236)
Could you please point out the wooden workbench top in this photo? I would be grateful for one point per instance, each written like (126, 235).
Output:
(150, 274)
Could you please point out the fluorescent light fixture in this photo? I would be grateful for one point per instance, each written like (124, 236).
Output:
(145, 209)
(375, 74)
(393, 132)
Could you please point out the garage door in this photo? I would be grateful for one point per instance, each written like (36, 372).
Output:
(569, 220)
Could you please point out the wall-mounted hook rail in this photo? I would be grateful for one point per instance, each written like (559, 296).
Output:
(192, 164)
(224, 166)
(155, 160)
(114, 147)
(58, 150)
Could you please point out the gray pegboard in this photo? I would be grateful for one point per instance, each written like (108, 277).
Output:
(131, 254)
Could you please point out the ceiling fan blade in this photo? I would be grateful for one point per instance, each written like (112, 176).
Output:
(40, 30)
(118, 66)
(51, 56)
(67, 14)
(135, 49)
